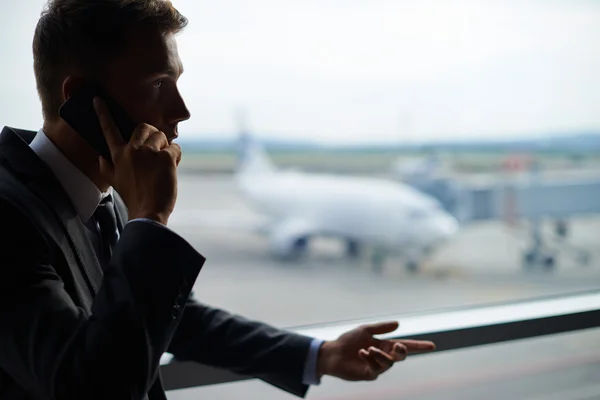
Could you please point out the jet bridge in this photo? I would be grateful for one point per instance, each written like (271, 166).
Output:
(525, 205)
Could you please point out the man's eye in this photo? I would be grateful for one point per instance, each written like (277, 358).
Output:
(158, 83)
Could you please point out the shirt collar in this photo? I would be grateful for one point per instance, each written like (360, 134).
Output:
(83, 193)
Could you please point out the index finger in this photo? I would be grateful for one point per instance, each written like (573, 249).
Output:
(417, 345)
(109, 128)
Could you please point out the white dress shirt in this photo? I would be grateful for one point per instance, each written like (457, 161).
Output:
(83, 193)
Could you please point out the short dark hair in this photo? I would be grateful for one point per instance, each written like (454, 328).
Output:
(77, 35)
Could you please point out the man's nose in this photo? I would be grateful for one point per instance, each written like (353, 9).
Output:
(179, 111)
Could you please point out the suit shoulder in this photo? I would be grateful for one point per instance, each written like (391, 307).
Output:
(17, 211)
(11, 187)
(22, 241)
(15, 191)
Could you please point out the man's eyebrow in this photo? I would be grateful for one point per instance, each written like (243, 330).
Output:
(174, 72)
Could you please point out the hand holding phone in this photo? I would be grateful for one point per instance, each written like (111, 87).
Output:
(143, 168)
(78, 111)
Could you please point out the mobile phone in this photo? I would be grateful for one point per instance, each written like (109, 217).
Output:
(78, 111)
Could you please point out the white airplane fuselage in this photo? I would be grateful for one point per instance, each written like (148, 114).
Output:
(368, 211)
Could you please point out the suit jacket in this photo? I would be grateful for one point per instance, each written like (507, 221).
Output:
(69, 330)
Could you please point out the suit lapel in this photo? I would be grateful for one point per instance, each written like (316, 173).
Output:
(33, 172)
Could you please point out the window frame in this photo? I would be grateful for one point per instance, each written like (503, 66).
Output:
(450, 329)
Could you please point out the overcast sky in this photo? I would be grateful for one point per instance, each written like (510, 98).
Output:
(363, 70)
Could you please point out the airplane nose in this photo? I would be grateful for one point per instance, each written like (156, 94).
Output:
(448, 226)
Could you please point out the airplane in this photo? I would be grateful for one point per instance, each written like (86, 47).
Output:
(380, 214)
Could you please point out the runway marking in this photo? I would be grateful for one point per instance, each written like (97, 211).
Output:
(468, 379)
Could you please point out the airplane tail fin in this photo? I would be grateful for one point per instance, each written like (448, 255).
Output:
(252, 157)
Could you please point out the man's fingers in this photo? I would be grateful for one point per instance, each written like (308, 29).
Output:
(109, 128)
(385, 360)
(174, 152)
(374, 367)
(178, 159)
(157, 141)
(383, 327)
(399, 352)
(414, 346)
(142, 133)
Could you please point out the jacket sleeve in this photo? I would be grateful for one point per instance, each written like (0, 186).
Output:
(214, 337)
(53, 350)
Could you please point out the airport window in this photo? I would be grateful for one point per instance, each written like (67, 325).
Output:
(355, 160)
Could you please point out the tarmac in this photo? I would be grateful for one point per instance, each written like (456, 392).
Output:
(482, 264)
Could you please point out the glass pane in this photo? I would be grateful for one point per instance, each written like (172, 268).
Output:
(456, 146)
(350, 159)
(559, 367)
(488, 110)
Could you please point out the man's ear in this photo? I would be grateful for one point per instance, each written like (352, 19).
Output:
(70, 85)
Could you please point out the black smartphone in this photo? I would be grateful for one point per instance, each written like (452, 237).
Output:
(78, 111)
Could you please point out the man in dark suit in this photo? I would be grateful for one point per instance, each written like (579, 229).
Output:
(94, 287)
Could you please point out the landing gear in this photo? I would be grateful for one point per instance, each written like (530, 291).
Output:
(549, 262)
(299, 248)
(536, 257)
(412, 261)
(561, 229)
(378, 257)
(529, 259)
(352, 249)
(296, 252)
(412, 266)
(538, 254)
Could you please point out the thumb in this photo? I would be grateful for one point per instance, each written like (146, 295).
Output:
(178, 160)
(382, 327)
(107, 170)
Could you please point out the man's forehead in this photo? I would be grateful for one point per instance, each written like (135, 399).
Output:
(169, 65)
(149, 53)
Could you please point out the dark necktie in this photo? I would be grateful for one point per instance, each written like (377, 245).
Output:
(107, 220)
